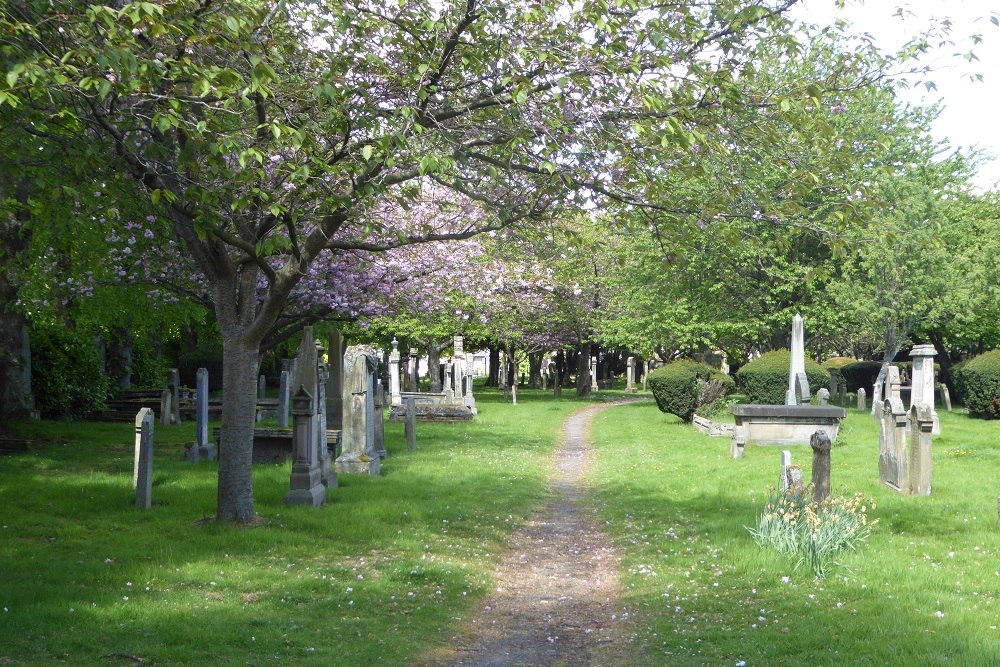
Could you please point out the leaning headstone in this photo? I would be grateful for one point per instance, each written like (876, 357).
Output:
(798, 387)
(922, 426)
(305, 486)
(142, 472)
(945, 396)
(862, 402)
(820, 443)
(174, 385)
(630, 375)
(786, 462)
(823, 395)
(892, 463)
(284, 398)
(922, 382)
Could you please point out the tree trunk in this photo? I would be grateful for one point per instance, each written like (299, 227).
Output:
(558, 380)
(494, 378)
(15, 368)
(239, 407)
(434, 364)
(583, 371)
(535, 370)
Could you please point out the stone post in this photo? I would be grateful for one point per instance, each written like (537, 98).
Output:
(395, 395)
(284, 397)
(166, 411)
(862, 399)
(645, 375)
(786, 462)
(593, 374)
(410, 425)
(414, 370)
(458, 366)
(335, 385)
(630, 375)
(142, 472)
(379, 422)
(327, 476)
(448, 391)
(892, 463)
(261, 387)
(922, 383)
(922, 426)
(820, 443)
(174, 385)
(470, 399)
(201, 407)
(305, 484)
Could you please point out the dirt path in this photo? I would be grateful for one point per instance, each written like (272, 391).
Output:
(557, 590)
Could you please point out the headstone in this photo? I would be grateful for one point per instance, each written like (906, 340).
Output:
(378, 416)
(645, 376)
(142, 472)
(358, 453)
(824, 395)
(945, 396)
(202, 449)
(166, 411)
(593, 374)
(862, 399)
(284, 398)
(261, 387)
(447, 380)
(470, 399)
(922, 383)
(842, 394)
(410, 426)
(798, 385)
(414, 370)
(458, 366)
(335, 385)
(305, 484)
(795, 480)
(786, 461)
(174, 385)
(327, 476)
(630, 375)
(892, 462)
(922, 426)
(820, 443)
(395, 393)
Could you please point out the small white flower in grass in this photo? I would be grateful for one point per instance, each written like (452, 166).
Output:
(741, 663)
(125, 598)
(939, 614)
(786, 580)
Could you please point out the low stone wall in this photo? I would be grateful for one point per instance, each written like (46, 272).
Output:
(431, 412)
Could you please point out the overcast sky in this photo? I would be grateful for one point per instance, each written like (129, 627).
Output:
(971, 115)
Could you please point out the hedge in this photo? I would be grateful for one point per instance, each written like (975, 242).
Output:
(209, 359)
(67, 376)
(861, 374)
(677, 390)
(977, 383)
(765, 379)
(833, 366)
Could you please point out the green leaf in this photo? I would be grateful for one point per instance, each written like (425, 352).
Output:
(366, 153)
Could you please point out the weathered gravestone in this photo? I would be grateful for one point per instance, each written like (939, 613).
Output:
(378, 417)
(358, 454)
(823, 395)
(892, 462)
(202, 449)
(922, 384)
(142, 471)
(305, 484)
(862, 399)
(798, 383)
(630, 375)
(174, 385)
(284, 397)
(786, 462)
(593, 374)
(921, 431)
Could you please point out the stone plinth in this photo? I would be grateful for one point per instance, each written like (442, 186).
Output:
(783, 424)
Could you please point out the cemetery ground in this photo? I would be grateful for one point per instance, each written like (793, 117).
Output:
(393, 568)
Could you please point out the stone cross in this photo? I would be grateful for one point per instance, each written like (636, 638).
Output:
(798, 385)
(630, 376)
(142, 472)
(922, 383)
(395, 395)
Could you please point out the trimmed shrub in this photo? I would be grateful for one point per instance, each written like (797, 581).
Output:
(977, 383)
(67, 376)
(765, 379)
(861, 374)
(681, 387)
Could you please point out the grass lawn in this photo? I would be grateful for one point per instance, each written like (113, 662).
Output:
(377, 576)
(923, 590)
(392, 566)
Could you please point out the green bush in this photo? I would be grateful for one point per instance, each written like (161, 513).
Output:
(861, 374)
(683, 386)
(67, 375)
(211, 360)
(977, 383)
(765, 379)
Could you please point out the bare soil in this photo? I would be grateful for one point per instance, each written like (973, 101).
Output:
(556, 600)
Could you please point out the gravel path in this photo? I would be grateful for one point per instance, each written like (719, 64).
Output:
(556, 601)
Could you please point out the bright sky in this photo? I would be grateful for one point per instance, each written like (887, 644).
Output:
(970, 117)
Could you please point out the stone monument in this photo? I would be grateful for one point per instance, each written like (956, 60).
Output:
(358, 454)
